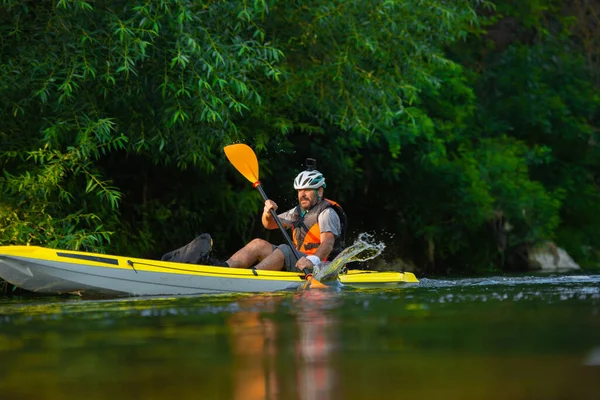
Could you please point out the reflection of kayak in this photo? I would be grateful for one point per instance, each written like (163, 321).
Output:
(44, 270)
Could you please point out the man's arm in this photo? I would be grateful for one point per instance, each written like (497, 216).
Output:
(331, 228)
(269, 222)
(326, 246)
(327, 241)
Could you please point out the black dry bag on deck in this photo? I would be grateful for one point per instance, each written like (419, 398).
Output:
(195, 252)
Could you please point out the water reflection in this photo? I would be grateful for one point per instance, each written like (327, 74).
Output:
(316, 344)
(472, 341)
(264, 349)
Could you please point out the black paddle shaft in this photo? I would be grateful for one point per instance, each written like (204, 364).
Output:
(274, 214)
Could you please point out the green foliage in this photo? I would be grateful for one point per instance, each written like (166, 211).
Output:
(497, 179)
(428, 130)
(80, 81)
(43, 201)
(554, 111)
(361, 66)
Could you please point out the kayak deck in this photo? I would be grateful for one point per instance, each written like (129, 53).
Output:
(364, 278)
(53, 271)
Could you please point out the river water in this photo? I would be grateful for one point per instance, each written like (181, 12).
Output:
(487, 338)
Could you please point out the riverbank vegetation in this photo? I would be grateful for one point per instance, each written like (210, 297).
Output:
(461, 133)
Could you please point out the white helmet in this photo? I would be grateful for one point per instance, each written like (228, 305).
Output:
(312, 179)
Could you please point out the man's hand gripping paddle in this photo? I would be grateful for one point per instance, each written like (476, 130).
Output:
(243, 158)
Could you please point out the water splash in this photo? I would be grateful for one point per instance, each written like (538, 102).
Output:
(364, 248)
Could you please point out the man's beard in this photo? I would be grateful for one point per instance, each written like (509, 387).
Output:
(309, 206)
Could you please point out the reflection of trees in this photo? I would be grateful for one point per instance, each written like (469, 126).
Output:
(261, 348)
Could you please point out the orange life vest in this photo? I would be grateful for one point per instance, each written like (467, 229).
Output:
(306, 232)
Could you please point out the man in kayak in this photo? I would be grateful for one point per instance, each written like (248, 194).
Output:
(318, 230)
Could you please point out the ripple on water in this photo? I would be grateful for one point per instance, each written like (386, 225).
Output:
(549, 289)
(511, 280)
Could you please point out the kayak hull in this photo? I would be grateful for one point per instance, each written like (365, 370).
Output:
(52, 271)
(56, 279)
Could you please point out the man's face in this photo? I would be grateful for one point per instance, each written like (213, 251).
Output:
(308, 198)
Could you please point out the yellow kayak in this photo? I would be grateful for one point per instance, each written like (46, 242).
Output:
(54, 271)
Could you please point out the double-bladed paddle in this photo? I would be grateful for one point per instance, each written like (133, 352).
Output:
(243, 158)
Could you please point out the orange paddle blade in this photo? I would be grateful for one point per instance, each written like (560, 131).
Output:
(242, 157)
(313, 283)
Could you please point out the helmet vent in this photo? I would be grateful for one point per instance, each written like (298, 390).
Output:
(309, 180)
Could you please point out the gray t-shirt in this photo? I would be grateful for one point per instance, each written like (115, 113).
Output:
(328, 220)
